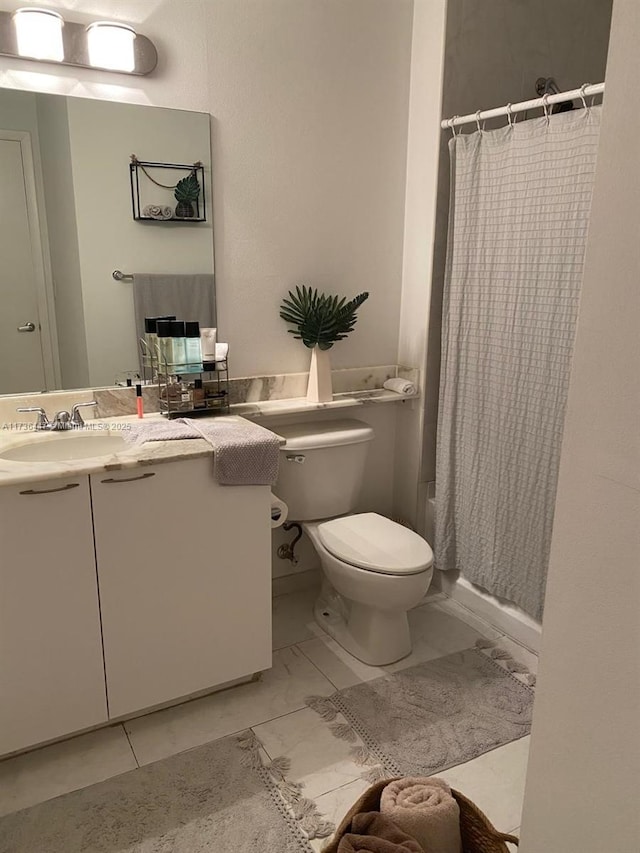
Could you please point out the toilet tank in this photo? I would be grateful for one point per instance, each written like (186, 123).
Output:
(322, 467)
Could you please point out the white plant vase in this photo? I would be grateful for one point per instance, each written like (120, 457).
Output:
(319, 389)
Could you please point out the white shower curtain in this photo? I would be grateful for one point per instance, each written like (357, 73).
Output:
(518, 222)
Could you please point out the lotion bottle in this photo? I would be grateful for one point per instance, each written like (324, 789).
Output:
(193, 348)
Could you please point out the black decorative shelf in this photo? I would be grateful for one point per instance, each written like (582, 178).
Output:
(140, 167)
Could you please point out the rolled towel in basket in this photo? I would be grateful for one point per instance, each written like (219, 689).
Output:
(372, 832)
(424, 808)
(400, 386)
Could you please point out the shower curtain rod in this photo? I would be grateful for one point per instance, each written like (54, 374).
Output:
(508, 109)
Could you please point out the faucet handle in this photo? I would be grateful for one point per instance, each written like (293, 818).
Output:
(76, 418)
(42, 421)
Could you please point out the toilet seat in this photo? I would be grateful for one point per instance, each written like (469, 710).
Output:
(372, 542)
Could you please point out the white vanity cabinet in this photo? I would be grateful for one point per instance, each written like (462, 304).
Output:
(51, 667)
(185, 581)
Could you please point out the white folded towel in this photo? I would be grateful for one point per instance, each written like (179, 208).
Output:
(424, 808)
(222, 353)
(400, 386)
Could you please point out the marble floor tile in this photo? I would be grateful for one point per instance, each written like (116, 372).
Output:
(433, 631)
(318, 759)
(293, 620)
(335, 804)
(495, 782)
(281, 690)
(63, 767)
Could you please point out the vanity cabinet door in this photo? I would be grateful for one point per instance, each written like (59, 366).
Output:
(184, 569)
(51, 666)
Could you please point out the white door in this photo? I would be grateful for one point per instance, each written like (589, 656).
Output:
(51, 665)
(21, 357)
(184, 570)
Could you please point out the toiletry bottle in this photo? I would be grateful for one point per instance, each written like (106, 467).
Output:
(139, 402)
(178, 344)
(150, 336)
(186, 397)
(198, 395)
(165, 345)
(193, 347)
(208, 341)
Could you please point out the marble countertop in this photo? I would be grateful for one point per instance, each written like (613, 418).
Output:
(134, 456)
(300, 405)
(158, 452)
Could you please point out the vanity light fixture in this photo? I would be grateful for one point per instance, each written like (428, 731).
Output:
(39, 34)
(111, 46)
(43, 35)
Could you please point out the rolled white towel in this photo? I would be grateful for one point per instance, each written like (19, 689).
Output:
(400, 386)
(158, 211)
(424, 808)
(222, 353)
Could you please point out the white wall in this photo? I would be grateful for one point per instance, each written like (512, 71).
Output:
(309, 102)
(584, 768)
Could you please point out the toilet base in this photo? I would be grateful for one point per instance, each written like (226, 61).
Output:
(375, 637)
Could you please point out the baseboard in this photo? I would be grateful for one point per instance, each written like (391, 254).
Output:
(502, 615)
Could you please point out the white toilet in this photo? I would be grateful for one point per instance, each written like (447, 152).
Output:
(375, 570)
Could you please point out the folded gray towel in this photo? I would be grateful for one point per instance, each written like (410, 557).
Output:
(245, 454)
(157, 431)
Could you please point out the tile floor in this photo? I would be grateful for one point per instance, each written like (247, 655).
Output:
(305, 661)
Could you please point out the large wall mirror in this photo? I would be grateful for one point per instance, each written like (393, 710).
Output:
(66, 224)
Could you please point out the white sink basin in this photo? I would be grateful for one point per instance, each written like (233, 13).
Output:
(65, 446)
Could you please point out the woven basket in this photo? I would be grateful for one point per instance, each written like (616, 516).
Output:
(478, 834)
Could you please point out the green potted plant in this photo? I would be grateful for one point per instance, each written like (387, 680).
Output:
(319, 321)
(186, 192)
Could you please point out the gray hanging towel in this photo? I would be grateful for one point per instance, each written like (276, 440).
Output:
(189, 297)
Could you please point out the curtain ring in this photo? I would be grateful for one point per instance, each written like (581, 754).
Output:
(545, 105)
(478, 121)
(510, 115)
(582, 97)
(452, 125)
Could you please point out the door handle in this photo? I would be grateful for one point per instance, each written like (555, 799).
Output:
(129, 479)
(50, 491)
(27, 327)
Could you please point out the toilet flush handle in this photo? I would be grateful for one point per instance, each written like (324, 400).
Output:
(299, 458)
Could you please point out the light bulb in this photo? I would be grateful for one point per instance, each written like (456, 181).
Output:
(39, 34)
(111, 46)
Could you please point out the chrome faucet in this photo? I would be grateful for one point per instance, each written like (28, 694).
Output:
(61, 420)
(76, 418)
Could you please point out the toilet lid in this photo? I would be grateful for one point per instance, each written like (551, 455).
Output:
(370, 541)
